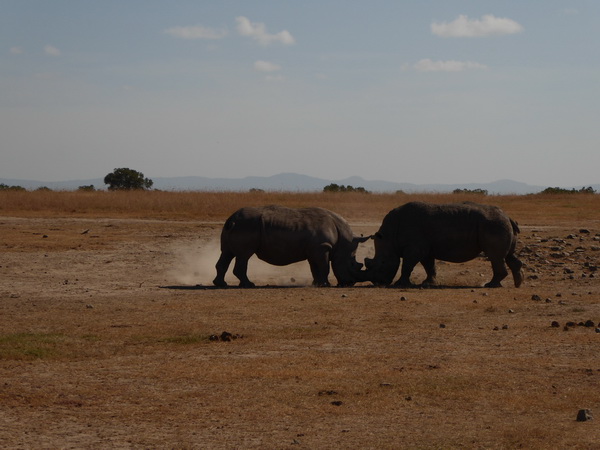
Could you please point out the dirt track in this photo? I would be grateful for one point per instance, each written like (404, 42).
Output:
(105, 342)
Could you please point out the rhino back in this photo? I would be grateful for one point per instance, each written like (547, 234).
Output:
(280, 235)
(454, 232)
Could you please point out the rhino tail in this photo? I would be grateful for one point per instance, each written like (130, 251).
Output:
(515, 227)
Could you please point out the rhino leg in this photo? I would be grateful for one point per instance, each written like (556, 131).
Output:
(319, 266)
(240, 270)
(516, 267)
(429, 266)
(408, 264)
(500, 273)
(222, 266)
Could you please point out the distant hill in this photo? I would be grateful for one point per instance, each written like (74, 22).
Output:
(293, 182)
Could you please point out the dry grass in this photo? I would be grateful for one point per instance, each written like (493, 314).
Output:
(539, 209)
(95, 354)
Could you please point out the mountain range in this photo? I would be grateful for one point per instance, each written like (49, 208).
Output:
(292, 182)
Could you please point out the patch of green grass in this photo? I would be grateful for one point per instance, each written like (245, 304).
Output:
(28, 346)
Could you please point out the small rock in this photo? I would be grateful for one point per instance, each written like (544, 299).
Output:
(510, 311)
(536, 298)
(584, 415)
(597, 330)
(226, 336)
(344, 296)
(555, 324)
(584, 231)
(589, 324)
(442, 325)
(505, 327)
(337, 403)
(402, 299)
(89, 306)
(548, 300)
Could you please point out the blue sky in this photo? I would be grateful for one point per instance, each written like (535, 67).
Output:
(438, 91)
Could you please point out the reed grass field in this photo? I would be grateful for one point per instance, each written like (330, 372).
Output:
(112, 335)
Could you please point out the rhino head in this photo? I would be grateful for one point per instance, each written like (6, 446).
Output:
(381, 269)
(346, 268)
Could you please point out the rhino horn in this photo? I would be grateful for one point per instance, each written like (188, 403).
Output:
(361, 239)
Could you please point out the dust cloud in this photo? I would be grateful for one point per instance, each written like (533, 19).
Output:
(195, 265)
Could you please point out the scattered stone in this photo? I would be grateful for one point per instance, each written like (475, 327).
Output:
(225, 336)
(571, 324)
(536, 298)
(589, 324)
(89, 306)
(510, 311)
(327, 392)
(555, 324)
(337, 403)
(505, 327)
(548, 300)
(344, 296)
(442, 325)
(584, 415)
(496, 328)
(584, 231)
(402, 299)
(597, 330)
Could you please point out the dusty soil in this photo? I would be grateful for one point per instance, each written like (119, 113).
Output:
(107, 341)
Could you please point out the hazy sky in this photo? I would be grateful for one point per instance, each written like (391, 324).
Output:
(421, 91)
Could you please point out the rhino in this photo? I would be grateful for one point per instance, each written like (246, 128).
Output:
(282, 236)
(421, 232)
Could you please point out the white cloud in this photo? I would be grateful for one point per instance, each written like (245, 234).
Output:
(488, 25)
(16, 50)
(258, 32)
(196, 32)
(427, 65)
(51, 50)
(266, 66)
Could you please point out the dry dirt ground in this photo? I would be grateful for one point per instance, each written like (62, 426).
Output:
(105, 341)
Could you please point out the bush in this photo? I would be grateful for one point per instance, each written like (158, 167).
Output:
(87, 188)
(333, 187)
(470, 191)
(5, 187)
(127, 179)
(557, 190)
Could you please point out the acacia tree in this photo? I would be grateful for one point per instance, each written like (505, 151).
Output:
(127, 179)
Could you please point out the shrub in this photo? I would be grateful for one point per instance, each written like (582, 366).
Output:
(470, 191)
(557, 190)
(127, 179)
(5, 187)
(333, 187)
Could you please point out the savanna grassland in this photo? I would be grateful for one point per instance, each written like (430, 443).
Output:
(111, 334)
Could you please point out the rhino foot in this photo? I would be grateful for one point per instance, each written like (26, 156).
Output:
(247, 284)
(219, 283)
(493, 284)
